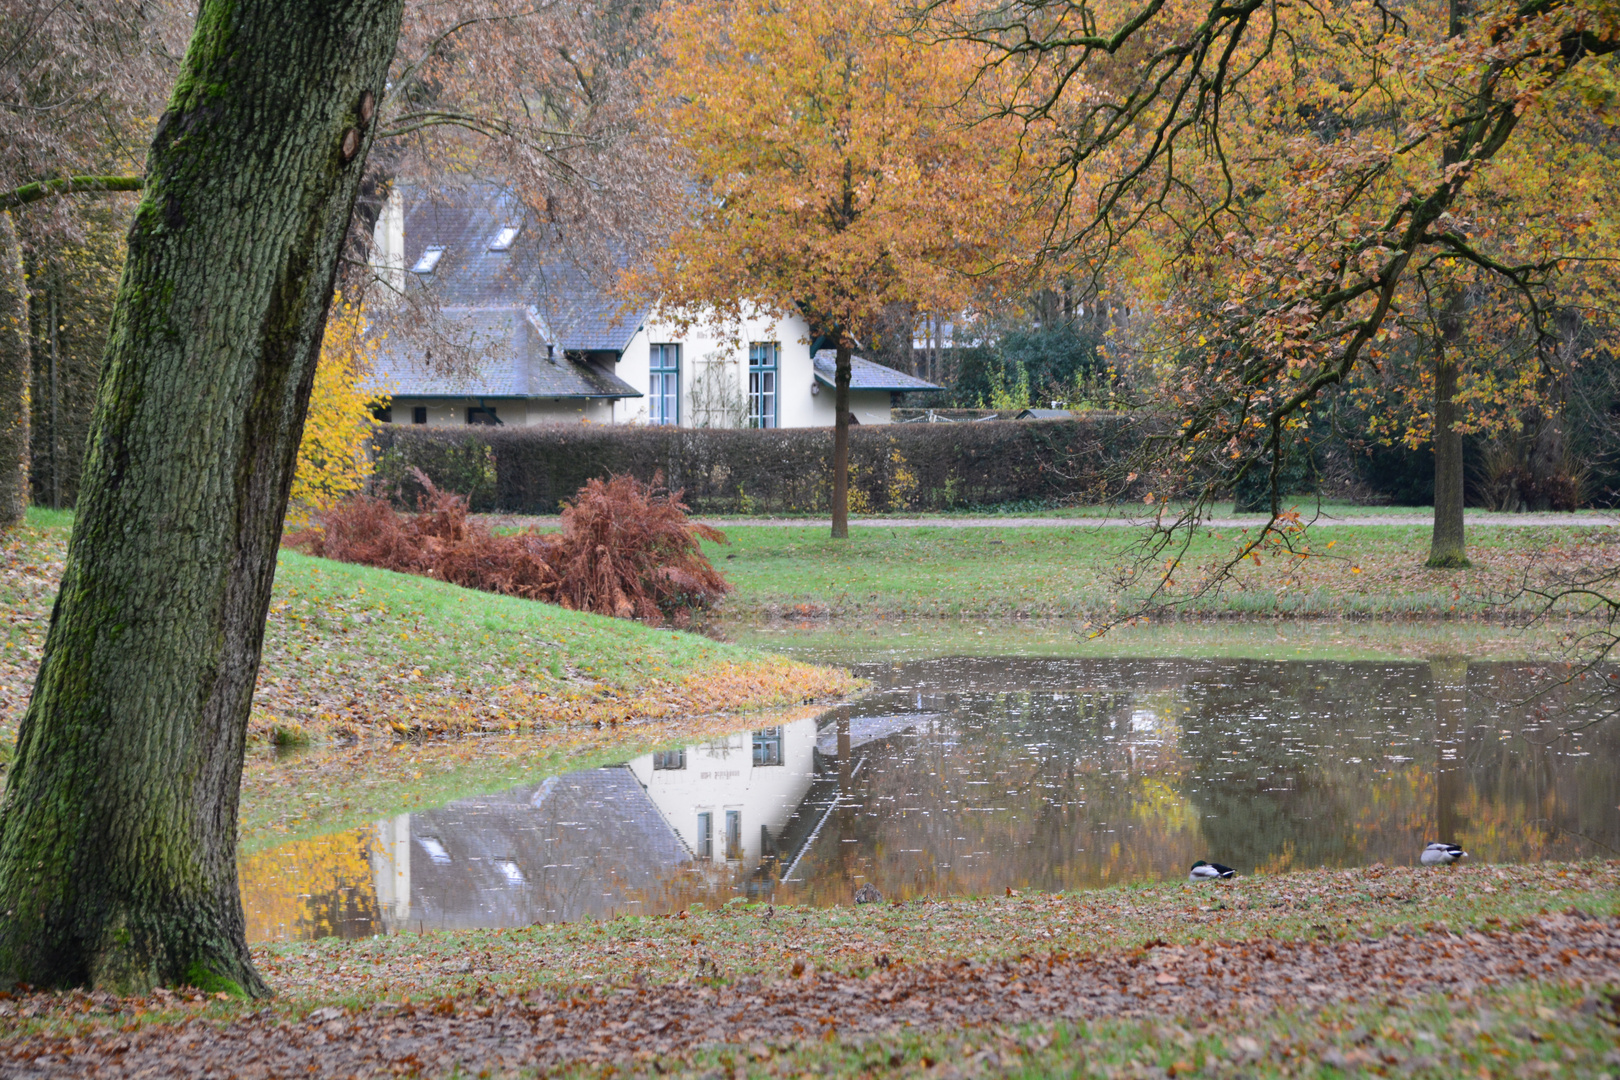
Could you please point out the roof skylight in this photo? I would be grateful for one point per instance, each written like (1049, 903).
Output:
(503, 239)
(430, 258)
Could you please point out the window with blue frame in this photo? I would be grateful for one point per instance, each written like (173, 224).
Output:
(762, 364)
(705, 836)
(768, 746)
(664, 391)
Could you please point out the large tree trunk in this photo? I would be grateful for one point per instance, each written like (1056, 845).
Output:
(118, 836)
(1447, 549)
(840, 507)
(16, 377)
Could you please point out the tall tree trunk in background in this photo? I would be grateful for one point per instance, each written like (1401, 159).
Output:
(840, 507)
(118, 834)
(16, 376)
(1447, 549)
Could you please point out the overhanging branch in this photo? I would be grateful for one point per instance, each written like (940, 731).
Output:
(68, 185)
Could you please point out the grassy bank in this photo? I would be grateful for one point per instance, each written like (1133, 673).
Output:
(351, 652)
(1359, 571)
(896, 640)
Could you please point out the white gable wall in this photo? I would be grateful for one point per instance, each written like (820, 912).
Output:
(714, 375)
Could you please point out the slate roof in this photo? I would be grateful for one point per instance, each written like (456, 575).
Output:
(514, 362)
(579, 310)
(865, 375)
(503, 307)
(1046, 414)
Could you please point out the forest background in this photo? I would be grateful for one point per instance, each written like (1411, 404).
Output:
(904, 126)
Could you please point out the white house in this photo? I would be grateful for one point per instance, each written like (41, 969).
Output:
(540, 341)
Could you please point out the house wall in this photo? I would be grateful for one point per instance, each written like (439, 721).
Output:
(714, 375)
(512, 412)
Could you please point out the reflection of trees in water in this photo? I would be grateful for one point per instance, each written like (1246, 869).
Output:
(320, 887)
(1012, 790)
(1305, 764)
(1259, 764)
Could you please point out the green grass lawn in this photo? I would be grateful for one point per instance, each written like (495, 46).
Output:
(1373, 571)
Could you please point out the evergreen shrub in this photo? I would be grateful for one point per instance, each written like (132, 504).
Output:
(894, 467)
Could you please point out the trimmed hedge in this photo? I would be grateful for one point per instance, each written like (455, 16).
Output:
(787, 470)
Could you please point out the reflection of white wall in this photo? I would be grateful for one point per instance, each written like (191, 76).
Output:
(721, 776)
(391, 870)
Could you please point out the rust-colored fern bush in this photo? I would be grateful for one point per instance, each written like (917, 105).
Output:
(625, 549)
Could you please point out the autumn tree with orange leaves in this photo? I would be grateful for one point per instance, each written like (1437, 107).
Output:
(834, 174)
(1307, 194)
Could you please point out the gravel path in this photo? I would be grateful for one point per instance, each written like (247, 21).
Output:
(627, 1023)
(1511, 521)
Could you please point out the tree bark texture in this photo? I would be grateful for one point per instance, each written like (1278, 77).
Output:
(840, 499)
(1447, 549)
(118, 834)
(16, 378)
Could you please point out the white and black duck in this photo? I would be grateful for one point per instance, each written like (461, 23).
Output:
(1441, 854)
(1210, 871)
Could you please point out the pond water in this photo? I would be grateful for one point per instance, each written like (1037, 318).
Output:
(963, 776)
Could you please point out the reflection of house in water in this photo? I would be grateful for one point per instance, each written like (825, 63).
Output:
(728, 799)
(628, 836)
(572, 846)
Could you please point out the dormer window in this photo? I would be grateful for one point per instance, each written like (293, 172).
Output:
(430, 258)
(503, 239)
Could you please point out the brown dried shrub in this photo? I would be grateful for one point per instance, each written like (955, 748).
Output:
(625, 549)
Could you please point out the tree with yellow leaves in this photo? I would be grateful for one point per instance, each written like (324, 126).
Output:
(332, 457)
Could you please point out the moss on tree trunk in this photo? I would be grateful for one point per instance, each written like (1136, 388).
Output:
(15, 378)
(118, 836)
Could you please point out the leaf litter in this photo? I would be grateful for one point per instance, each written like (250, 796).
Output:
(638, 1022)
(623, 991)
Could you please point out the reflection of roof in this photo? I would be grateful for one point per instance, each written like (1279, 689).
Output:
(574, 846)
(865, 729)
(579, 310)
(865, 375)
(514, 362)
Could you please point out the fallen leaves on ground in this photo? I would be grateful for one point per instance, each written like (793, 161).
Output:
(638, 1021)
